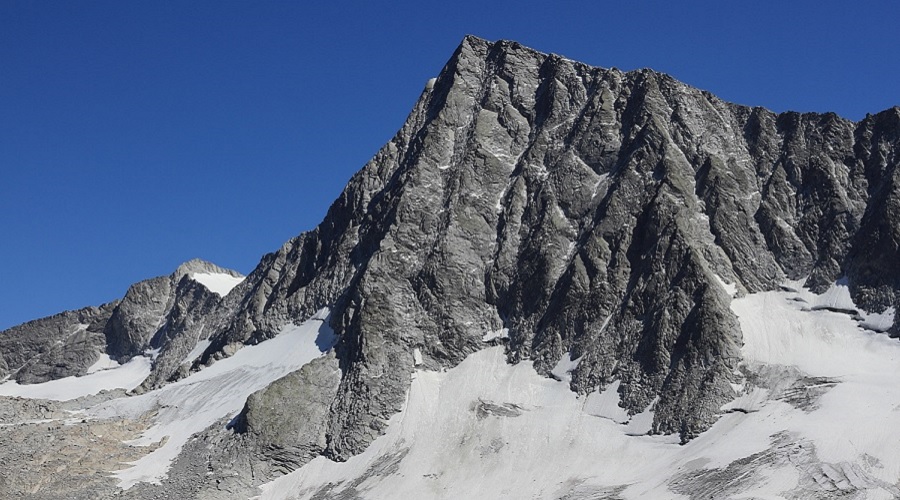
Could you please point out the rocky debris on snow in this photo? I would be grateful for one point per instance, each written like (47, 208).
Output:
(818, 479)
(48, 452)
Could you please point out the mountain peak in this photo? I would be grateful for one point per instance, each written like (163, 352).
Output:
(197, 265)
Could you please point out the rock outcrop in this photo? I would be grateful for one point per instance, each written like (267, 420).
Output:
(58, 346)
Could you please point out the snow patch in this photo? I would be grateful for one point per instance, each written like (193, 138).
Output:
(564, 367)
(218, 283)
(104, 363)
(502, 333)
(730, 288)
(127, 376)
(747, 401)
(600, 180)
(198, 349)
(838, 298)
(642, 423)
(880, 322)
(605, 323)
(605, 404)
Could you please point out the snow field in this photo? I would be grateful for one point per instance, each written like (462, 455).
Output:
(219, 283)
(858, 416)
(487, 429)
(194, 403)
(549, 442)
(105, 374)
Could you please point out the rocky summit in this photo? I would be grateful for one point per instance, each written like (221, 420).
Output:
(612, 232)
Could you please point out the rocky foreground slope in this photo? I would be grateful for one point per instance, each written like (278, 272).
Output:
(595, 223)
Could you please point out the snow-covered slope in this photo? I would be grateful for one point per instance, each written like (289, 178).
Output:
(815, 418)
(106, 374)
(196, 402)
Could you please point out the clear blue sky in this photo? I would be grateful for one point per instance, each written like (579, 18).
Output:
(137, 135)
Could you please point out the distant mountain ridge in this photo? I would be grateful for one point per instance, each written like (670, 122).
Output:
(603, 221)
(152, 313)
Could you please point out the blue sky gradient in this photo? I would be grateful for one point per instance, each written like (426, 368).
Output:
(138, 135)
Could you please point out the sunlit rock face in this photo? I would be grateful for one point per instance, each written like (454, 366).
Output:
(602, 218)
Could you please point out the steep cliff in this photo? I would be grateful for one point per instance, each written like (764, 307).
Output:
(602, 220)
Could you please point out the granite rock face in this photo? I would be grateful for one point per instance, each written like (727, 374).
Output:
(189, 318)
(58, 346)
(598, 216)
(602, 219)
(155, 309)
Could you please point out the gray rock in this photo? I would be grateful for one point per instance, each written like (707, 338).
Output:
(157, 310)
(285, 423)
(592, 213)
(817, 479)
(61, 345)
(186, 324)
